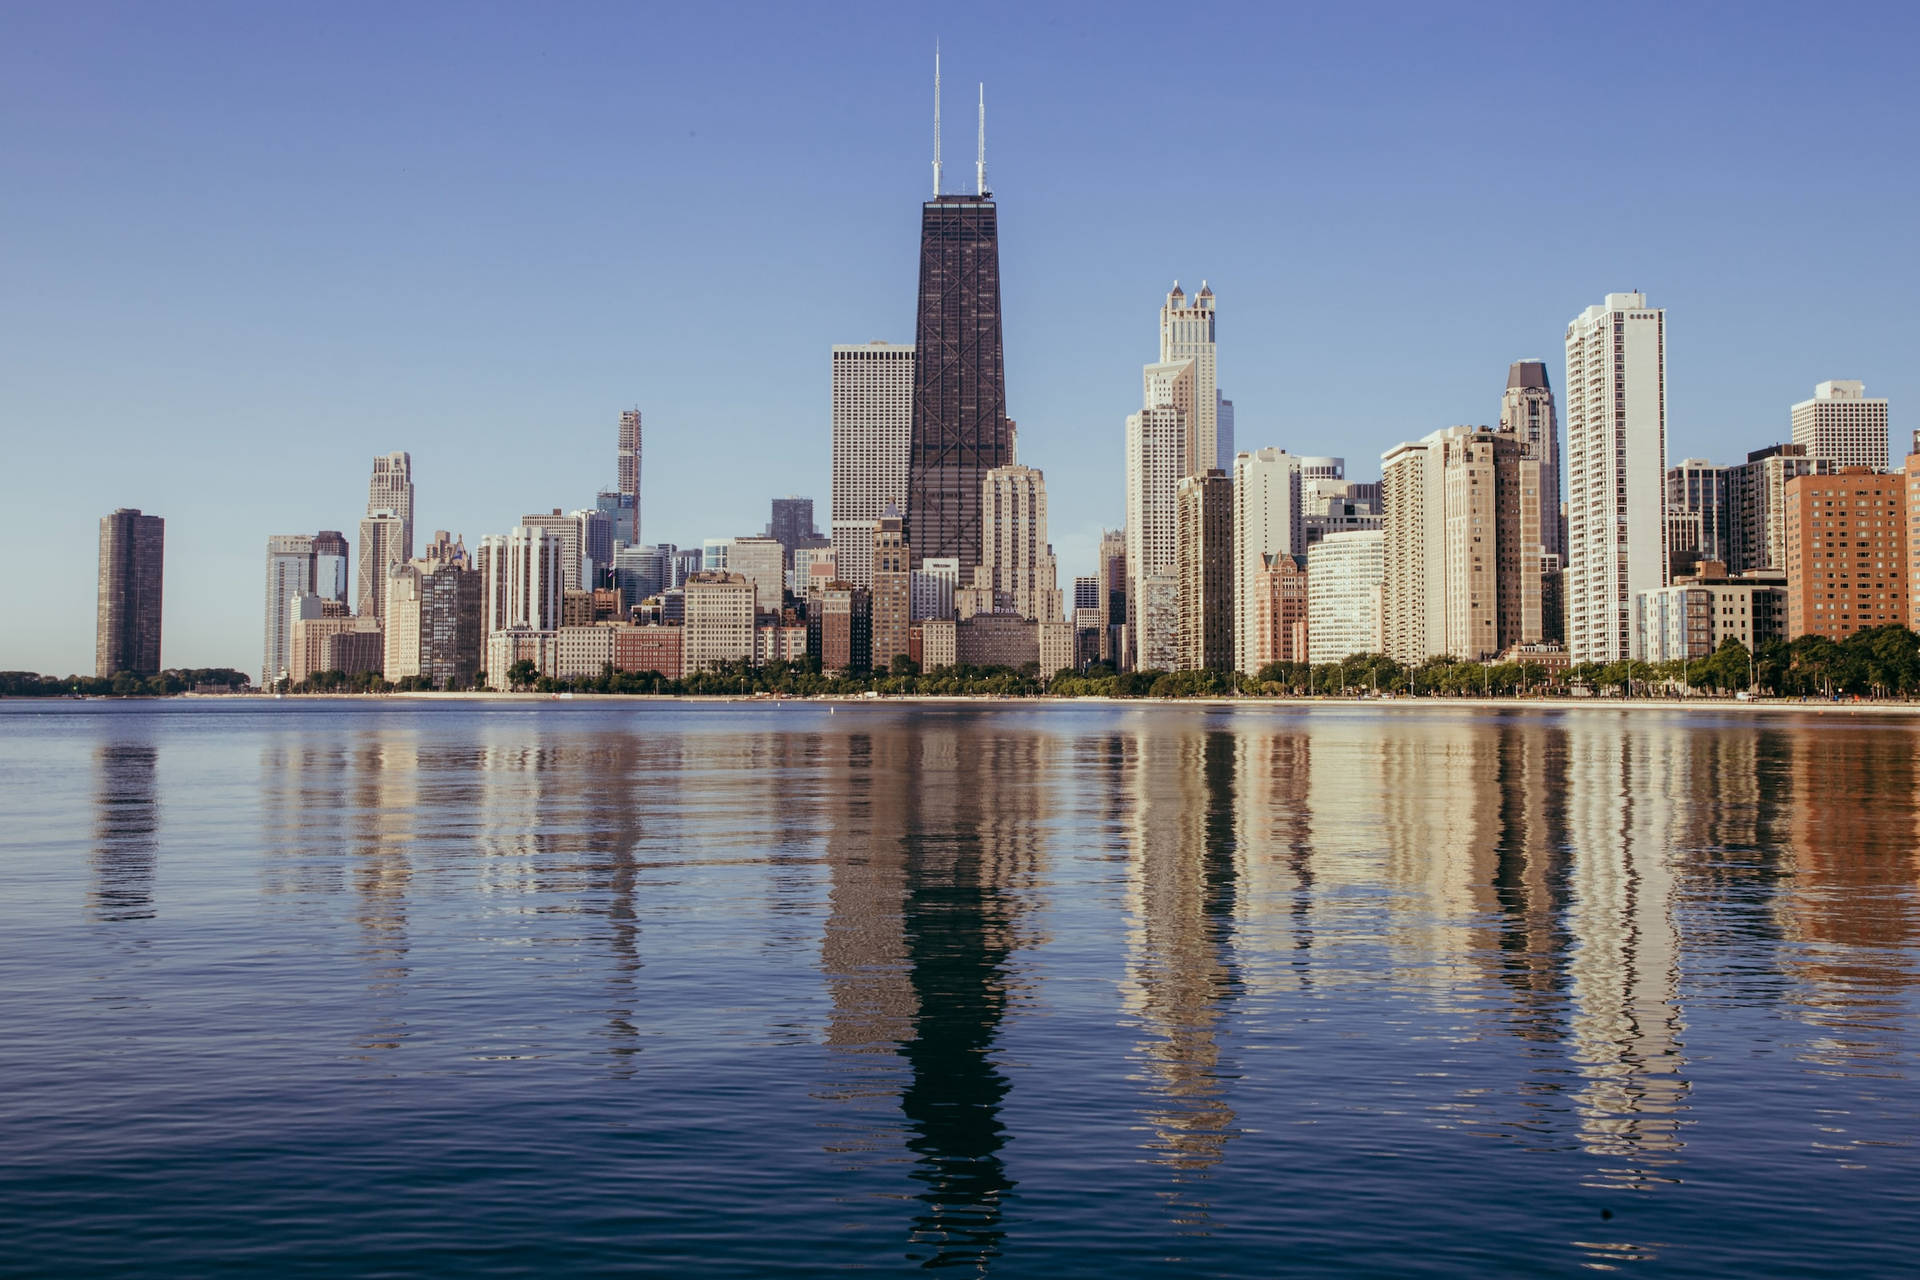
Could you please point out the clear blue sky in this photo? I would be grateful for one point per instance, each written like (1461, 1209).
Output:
(247, 247)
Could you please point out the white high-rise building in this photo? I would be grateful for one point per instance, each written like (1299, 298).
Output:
(761, 561)
(1156, 461)
(1266, 522)
(852, 543)
(565, 530)
(1187, 333)
(1413, 606)
(1842, 426)
(523, 579)
(385, 541)
(930, 588)
(289, 575)
(1344, 572)
(1616, 402)
(1015, 556)
(872, 429)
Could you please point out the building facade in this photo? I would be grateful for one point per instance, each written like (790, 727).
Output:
(1527, 411)
(1206, 571)
(385, 541)
(129, 593)
(1156, 461)
(1267, 522)
(872, 430)
(390, 493)
(1280, 621)
(719, 621)
(1616, 402)
(521, 580)
(1847, 565)
(761, 561)
(1757, 504)
(891, 600)
(627, 509)
(290, 566)
(840, 628)
(1491, 523)
(1015, 557)
(1345, 573)
(1695, 615)
(960, 429)
(434, 623)
(1841, 425)
(1700, 489)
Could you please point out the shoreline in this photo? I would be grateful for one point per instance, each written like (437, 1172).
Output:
(1409, 705)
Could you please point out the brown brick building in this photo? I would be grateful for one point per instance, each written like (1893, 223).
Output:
(1847, 561)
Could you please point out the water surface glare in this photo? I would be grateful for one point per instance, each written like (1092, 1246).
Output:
(392, 987)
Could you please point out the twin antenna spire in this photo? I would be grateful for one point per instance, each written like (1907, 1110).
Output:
(980, 162)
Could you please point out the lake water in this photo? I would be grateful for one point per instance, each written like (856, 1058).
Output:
(405, 988)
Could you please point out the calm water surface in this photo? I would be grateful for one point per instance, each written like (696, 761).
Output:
(546, 988)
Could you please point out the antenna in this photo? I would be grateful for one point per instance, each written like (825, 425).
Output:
(980, 165)
(936, 119)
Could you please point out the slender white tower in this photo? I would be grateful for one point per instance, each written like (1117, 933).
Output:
(980, 165)
(936, 119)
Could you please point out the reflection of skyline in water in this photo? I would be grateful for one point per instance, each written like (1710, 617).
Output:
(1515, 927)
(126, 824)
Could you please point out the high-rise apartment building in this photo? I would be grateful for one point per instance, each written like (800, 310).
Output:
(1223, 432)
(761, 561)
(1206, 571)
(1154, 603)
(1616, 402)
(432, 629)
(1699, 489)
(960, 428)
(1187, 335)
(891, 601)
(1015, 556)
(1280, 621)
(840, 628)
(719, 620)
(290, 574)
(627, 510)
(931, 588)
(523, 579)
(568, 532)
(1266, 523)
(596, 546)
(1698, 613)
(129, 593)
(390, 492)
(384, 542)
(1113, 596)
(1847, 564)
(872, 429)
(1757, 504)
(1841, 425)
(1413, 605)
(330, 565)
(1492, 539)
(1527, 410)
(1345, 573)
(1086, 594)
(1156, 462)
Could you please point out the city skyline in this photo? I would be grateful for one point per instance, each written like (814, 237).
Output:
(468, 423)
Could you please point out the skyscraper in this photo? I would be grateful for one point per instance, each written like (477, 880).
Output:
(330, 565)
(290, 573)
(1187, 333)
(1842, 426)
(384, 542)
(1699, 489)
(1527, 410)
(1616, 393)
(960, 430)
(1223, 432)
(629, 532)
(1344, 572)
(1492, 531)
(1113, 595)
(872, 433)
(1757, 504)
(521, 579)
(390, 492)
(1015, 556)
(1266, 523)
(128, 593)
(1205, 541)
(891, 602)
(792, 524)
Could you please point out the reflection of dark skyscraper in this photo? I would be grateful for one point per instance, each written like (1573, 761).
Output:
(127, 621)
(960, 429)
(125, 825)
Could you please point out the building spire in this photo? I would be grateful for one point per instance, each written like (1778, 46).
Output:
(980, 165)
(936, 119)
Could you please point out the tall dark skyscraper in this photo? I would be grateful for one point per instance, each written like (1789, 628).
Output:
(960, 429)
(127, 618)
